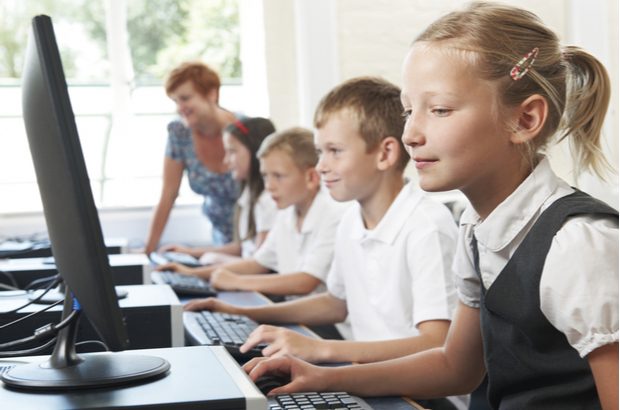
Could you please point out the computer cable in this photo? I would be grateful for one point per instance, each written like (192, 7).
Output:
(4, 286)
(99, 342)
(31, 314)
(38, 298)
(29, 352)
(43, 332)
(10, 277)
(36, 282)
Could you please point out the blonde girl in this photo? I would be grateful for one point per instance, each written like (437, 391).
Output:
(485, 90)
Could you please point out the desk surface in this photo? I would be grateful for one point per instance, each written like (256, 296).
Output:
(187, 385)
(47, 263)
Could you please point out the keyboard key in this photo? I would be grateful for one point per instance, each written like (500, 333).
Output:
(320, 401)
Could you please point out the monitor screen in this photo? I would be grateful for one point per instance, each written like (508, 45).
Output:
(71, 216)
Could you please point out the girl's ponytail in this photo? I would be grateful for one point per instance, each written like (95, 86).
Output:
(588, 92)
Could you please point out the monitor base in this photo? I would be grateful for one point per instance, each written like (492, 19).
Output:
(94, 371)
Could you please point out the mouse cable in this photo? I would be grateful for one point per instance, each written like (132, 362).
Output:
(29, 352)
(43, 332)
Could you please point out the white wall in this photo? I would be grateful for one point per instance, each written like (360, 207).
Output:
(371, 37)
(297, 50)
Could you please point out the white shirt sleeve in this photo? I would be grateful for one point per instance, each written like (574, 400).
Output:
(265, 211)
(335, 285)
(579, 284)
(429, 258)
(335, 280)
(467, 280)
(267, 254)
(317, 258)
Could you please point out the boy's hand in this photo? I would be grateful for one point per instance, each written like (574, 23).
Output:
(174, 248)
(303, 376)
(212, 304)
(283, 342)
(175, 267)
(223, 279)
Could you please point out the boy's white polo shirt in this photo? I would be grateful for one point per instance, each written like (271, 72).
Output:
(310, 250)
(398, 274)
(265, 210)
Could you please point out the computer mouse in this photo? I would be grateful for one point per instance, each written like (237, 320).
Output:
(267, 383)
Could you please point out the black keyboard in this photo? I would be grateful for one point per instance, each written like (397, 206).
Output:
(327, 400)
(183, 285)
(178, 257)
(225, 329)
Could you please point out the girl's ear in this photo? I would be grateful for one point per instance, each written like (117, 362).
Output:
(531, 117)
(388, 152)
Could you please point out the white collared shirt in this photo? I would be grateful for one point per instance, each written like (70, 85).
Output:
(585, 248)
(399, 273)
(265, 210)
(310, 250)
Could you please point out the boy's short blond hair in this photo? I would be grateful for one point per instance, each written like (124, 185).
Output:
(297, 142)
(374, 104)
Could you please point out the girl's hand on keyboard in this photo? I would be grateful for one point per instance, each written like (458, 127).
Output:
(283, 342)
(303, 376)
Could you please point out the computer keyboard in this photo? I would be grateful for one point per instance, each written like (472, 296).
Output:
(225, 329)
(326, 400)
(178, 257)
(183, 285)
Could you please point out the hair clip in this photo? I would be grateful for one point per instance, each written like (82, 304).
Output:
(523, 66)
(244, 130)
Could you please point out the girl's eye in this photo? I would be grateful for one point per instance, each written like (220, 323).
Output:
(406, 114)
(441, 112)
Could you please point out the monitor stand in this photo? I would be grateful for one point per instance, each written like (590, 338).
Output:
(66, 370)
(57, 294)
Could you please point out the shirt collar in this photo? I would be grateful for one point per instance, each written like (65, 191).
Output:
(394, 219)
(312, 218)
(515, 212)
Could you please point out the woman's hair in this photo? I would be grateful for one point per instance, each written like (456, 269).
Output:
(296, 142)
(495, 37)
(203, 78)
(375, 107)
(250, 132)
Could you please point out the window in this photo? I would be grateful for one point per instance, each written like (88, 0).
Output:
(116, 54)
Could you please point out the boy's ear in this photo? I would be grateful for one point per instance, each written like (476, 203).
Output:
(388, 152)
(313, 179)
(531, 117)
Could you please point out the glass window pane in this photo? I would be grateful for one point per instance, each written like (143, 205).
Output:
(124, 168)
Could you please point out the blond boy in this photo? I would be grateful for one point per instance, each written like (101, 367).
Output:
(391, 271)
(299, 247)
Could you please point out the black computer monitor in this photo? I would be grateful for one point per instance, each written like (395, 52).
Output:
(74, 232)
